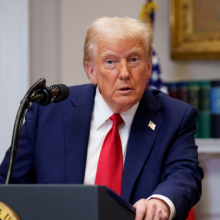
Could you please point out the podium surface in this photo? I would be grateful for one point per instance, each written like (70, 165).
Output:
(77, 202)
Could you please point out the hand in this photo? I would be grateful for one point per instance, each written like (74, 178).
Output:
(153, 209)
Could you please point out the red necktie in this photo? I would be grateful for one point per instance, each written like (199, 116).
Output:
(191, 215)
(110, 165)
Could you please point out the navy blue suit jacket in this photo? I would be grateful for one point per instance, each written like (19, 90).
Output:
(54, 140)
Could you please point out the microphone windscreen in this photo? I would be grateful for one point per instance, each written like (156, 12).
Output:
(63, 91)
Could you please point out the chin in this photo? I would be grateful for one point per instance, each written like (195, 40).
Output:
(125, 105)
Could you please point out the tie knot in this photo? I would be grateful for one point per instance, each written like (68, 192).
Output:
(117, 119)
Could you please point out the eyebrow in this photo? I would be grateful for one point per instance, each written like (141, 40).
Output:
(108, 53)
(130, 52)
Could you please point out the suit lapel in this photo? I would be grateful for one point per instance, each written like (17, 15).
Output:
(77, 128)
(140, 141)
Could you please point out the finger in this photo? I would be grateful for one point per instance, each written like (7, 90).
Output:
(160, 215)
(140, 210)
(150, 214)
(140, 214)
(157, 217)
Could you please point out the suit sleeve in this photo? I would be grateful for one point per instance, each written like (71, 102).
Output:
(23, 171)
(181, 177)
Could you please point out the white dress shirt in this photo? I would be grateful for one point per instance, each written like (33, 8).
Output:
(100, 126)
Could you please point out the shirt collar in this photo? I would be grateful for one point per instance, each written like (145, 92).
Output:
(102, 112)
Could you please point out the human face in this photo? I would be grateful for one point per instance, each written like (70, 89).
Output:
(120, 69)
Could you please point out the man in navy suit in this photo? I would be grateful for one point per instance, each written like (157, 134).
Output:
(61, 143)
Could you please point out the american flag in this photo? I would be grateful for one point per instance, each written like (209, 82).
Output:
(155, 81)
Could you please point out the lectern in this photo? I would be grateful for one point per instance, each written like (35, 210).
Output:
(60, 202)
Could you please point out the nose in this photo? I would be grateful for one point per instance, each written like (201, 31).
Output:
(124, 72)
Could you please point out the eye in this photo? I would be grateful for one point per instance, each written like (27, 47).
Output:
(134, 59)
(109, 61)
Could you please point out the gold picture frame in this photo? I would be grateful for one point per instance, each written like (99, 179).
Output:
(195, 29)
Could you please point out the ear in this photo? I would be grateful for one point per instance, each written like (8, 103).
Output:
(149, 68)
(91, 72)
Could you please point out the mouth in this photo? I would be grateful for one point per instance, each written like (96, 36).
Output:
(125, 89)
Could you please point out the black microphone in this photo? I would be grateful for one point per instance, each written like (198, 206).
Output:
(46, 95)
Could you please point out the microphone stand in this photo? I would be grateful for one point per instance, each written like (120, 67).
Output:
(24, 105)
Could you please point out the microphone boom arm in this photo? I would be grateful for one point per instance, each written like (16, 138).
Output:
(24, 105)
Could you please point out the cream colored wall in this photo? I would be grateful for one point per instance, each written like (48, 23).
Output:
(44, 41)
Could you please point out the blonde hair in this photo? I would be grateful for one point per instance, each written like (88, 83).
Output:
(121, 28)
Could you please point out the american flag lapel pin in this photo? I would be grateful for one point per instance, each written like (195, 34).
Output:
(152, 125)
